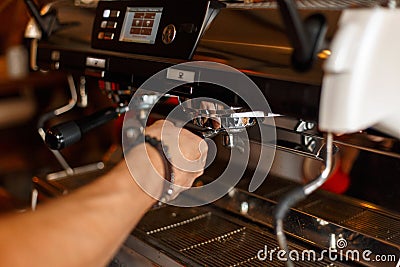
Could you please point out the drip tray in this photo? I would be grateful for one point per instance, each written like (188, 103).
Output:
(205, 237)
(234, 229)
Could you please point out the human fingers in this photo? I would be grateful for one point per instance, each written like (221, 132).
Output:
(187, 150)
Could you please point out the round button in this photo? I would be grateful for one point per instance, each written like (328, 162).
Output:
(169, 34)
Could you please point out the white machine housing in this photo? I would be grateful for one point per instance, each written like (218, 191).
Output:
(361, 85)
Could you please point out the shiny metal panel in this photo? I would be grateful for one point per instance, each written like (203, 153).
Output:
(210, 238)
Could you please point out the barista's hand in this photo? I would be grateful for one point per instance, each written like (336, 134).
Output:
(187, 151)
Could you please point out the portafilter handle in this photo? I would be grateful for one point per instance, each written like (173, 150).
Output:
(68, 133)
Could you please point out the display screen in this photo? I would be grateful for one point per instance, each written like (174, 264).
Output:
(141, 24)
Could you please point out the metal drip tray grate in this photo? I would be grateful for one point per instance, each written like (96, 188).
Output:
(356, 217)
(332, 210)
(318, 4)
(395, 238)
(376, 225)
(360, 219)
(210, 239)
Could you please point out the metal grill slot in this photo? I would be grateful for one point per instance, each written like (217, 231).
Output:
(320, 4)
(197, 232)
(165, 217)
(178, 224)
(221, 239)
(376, 225)
(395, 238)
(212, 240)
(238, 250)
(241, 250)
(332, 210)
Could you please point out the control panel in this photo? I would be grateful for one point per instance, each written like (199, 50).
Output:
(164, 28)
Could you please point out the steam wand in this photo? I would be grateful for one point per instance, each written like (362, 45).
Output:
(300, 193)
(306, 38)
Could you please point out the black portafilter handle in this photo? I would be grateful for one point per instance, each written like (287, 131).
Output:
(68, 133)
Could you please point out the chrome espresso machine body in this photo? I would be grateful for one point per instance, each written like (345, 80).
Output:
(113, 47)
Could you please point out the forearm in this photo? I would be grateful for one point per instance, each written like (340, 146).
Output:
(84, 228)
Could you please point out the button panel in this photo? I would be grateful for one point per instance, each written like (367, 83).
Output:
(114, 13)
(108, 36)
(109, 26)
(106, 13)
(105, 36)
(150, 27)
(100, 36)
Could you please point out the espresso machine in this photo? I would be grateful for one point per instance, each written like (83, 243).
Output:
(286, 93)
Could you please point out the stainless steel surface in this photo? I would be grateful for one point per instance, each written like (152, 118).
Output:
(233, 242)
(214, 117)
(308, 141)
(78, 170)
(223, 234)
